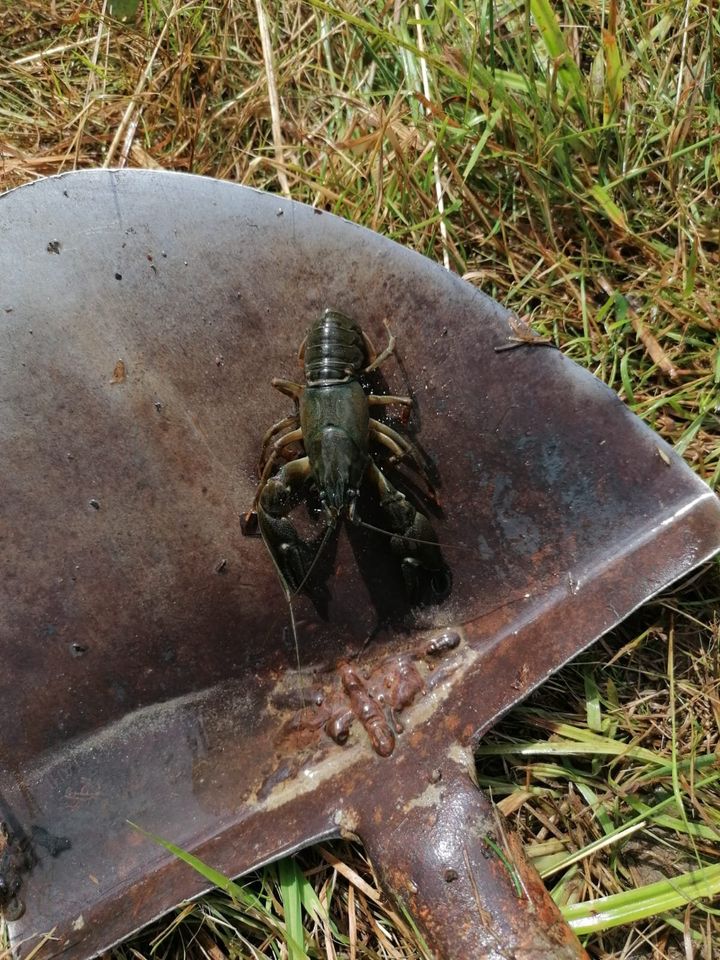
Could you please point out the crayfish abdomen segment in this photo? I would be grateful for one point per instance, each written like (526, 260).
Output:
(334, 350)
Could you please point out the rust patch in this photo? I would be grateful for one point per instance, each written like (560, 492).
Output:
(399, 683)
(397, 688)
(119, 374)
(338, 726)
(374, 700)
(370, 714)
(522, 677)
(304, 724)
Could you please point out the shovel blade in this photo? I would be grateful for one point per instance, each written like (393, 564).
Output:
(149, 672)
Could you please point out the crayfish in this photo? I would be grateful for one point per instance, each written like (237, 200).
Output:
(332, 422)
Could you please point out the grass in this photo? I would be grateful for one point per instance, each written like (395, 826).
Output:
(565, 157)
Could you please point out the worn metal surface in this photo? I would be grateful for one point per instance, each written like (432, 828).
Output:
(147, 666)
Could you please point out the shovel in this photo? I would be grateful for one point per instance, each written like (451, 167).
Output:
(149, 670)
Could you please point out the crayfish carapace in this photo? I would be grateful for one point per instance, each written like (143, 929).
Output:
(332, 422)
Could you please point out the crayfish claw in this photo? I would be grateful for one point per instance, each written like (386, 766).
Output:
(294, 561)
(292, 556)
(423, 584)
(426, 575)
(411, 572)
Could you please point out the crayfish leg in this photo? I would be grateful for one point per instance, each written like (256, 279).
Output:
(288, 387)
(292, 437)
(377, 399)
(386, 400)
(301, 351)
(401, 447)
(291, 421)
(378, 360)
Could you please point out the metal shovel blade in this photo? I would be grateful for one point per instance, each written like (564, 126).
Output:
(149, 672)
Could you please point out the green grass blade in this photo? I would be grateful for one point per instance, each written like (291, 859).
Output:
(292, 881)
(554, 41)
(646, 901)
(613, 87)
(592, 699)
(217, 879)
(241, 895)
(608, 206)
(123, 10)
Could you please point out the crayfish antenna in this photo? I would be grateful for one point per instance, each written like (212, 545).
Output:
(430, 543)
(293, 626)
(323, 543)
(291, 594)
